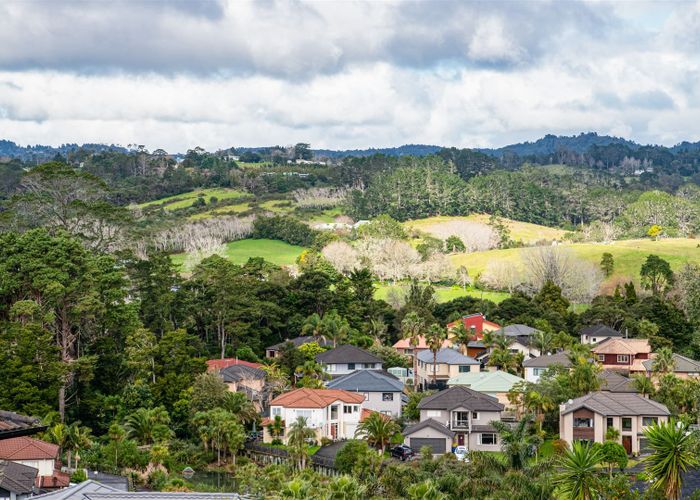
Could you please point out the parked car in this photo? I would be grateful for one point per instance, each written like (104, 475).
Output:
(461, 452)
(402, 452)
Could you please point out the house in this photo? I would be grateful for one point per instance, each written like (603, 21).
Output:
(248, 380)
(535, 367)
(587, 418)
(332, 413)
(38, 454)
(403, 346)
(94, 490)
(611, 381)
(214, 365)
(347, 358)
(466, 413)
(273, 351)
(450, 363)
(381, 392)
(682, 367)
(495, 384)
(16, 481)
(521, 339)
(430, 433)
(622, 354)
(597, 333)
(14, 425)
(405, 375)
(477, 324)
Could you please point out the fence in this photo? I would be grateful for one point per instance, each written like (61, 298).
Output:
(266, 455)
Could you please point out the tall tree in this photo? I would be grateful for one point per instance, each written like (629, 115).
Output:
(412, 329)
(577, 478)
(378, 430)
(434, 337)
(656, 275)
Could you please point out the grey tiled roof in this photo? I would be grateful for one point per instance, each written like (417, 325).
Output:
(681, 364)
(614, 382)
(560, 358)
(13, 425)
(448, 356)
(78, 491)
(460, 396)
(367, 381)
(517, 330)
(429, 422)
(92, 490)
(347, 354)
(600, 331)
(299, 341)
(616, 404)
(17, 478)
(235, 373)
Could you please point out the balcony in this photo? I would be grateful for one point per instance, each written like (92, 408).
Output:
(460, 424)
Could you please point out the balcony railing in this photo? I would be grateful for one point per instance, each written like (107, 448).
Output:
(460, 424)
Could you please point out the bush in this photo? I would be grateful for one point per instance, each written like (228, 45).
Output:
(559, 446)
(276, 442)
(349, 455)
(284, 229)
(326, 441)
(78, 476)
(245, 353)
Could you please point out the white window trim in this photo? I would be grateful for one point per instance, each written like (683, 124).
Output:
(495, 438)
(623, 358)
(601, 357)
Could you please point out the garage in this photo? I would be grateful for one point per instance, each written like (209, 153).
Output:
(438, 445)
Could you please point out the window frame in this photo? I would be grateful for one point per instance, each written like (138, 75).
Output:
(388, 396)
(492, 434)
(579, 420)
(654, 421)
(622, 423)
(623, 358)
(601, 358)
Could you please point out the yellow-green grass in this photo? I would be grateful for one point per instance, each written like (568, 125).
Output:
(238, 252)
(328, 215)
(519, 231)
(628, 255)
(225, 210)
(185, 200)
(445, 294)
(277, 206)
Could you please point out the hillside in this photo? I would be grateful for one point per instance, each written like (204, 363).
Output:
(550, 144)
(238, 252)
(185, 200)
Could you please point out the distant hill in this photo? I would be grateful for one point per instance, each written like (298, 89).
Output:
(45, 153)
(550, 144)
(405, 150)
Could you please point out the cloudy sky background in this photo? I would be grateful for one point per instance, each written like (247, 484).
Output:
(346, 74)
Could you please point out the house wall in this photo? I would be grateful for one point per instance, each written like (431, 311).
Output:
(45, 467)
(593, 339)
(474, 443)
(530, 374)
(374, 401)
(320, 420)
(345, 368)
(427, 432)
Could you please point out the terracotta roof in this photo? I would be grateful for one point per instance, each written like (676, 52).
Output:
(13, 424)
(26, 448)
(366, 412)
(622, 346)
(315, 398)
(214, 365)
(405, 344)
(57, 479)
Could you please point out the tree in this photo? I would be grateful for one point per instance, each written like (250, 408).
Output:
(607, 264)
(276, 427)
(434, 338)
(412, 328)
(672, 455)
(517, 440)
(454, 244)
(577, 478)
(411, 410)
(377, 429)
(297, 438)
(140, 354)
(613, 453)
(656, 275)
(654, 232)
(643, 385)
(148, 425)
(663, 361)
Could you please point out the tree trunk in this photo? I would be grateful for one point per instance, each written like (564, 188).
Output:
(415, 369)
(435, 368)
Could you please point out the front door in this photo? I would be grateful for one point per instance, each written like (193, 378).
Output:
(460, 439)
(627, 444)
(334, 431)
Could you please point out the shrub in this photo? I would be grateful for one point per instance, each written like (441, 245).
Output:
(326, 441)
(78, 476)
(284, 229)
(559, 446)
(349, 455)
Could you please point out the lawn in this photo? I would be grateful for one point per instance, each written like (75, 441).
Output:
(185, 200)
(629, 255)
(277, 206)
(445, 294)
(519, 231)
(238, 252)
(225, 210)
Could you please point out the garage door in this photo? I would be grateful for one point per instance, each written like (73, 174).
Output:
(437, 444)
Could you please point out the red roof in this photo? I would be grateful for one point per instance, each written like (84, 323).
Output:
(366, 412)
(315, 398)
(406, 344)
(56, 480)
(214, 365)
(477, 321)
(26, 448)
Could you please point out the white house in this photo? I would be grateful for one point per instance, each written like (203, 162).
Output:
(535, 367)
(332, 413)
(597, 333)
(346, 359)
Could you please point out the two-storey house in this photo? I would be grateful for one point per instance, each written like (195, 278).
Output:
(38, 454)
(682, 367)
(626, 355)
(448, 363)
(275, 351)
(587, 418)
(535, 367)
(462, 416)
(346, 359)
(382, 392)
(332, 413)
(595, 334)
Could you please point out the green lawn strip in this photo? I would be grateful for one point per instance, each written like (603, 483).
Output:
(445, 294)
(185, 200)
(238, 252)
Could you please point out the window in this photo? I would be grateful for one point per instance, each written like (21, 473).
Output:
(347, 409)
(595, 339)
(601, 357)
(626, 424)
(434, 413)
(304, 413)
(464, 368)
(355, 408)
(623, 358)
(649, 421)
(538, 371)
(387, 396)
(475, 415)
(334, 412)
(329, 368)
(276, 411)
(388, 413)
(366, 396)
(609, 422)
(351, 366)
(583, 422)
(369, 365)
(487, 438)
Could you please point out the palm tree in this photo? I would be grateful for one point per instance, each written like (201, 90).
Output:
(310, 369)
(314, 326)
(643, 385)
(58, 435)
(577, 478)
(378, 430)
(377, 329)
(462, 335)
(434, 338)
(80, 438)
(412, 328)
(663, 361)
(336, 327)
(239, 405)
(297, 437)
(543, 341)
(672, 456)
(517, 440)
(276, 427)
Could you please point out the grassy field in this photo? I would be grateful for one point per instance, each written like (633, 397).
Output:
(519, 231)
(225, 210)
(278, 206)
(445, 294)
(185, 200)
(238, 252)
(628, 255)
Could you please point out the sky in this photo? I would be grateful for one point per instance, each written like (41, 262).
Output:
(346, 74)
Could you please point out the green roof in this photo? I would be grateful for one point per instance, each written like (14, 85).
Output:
(498, 381)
